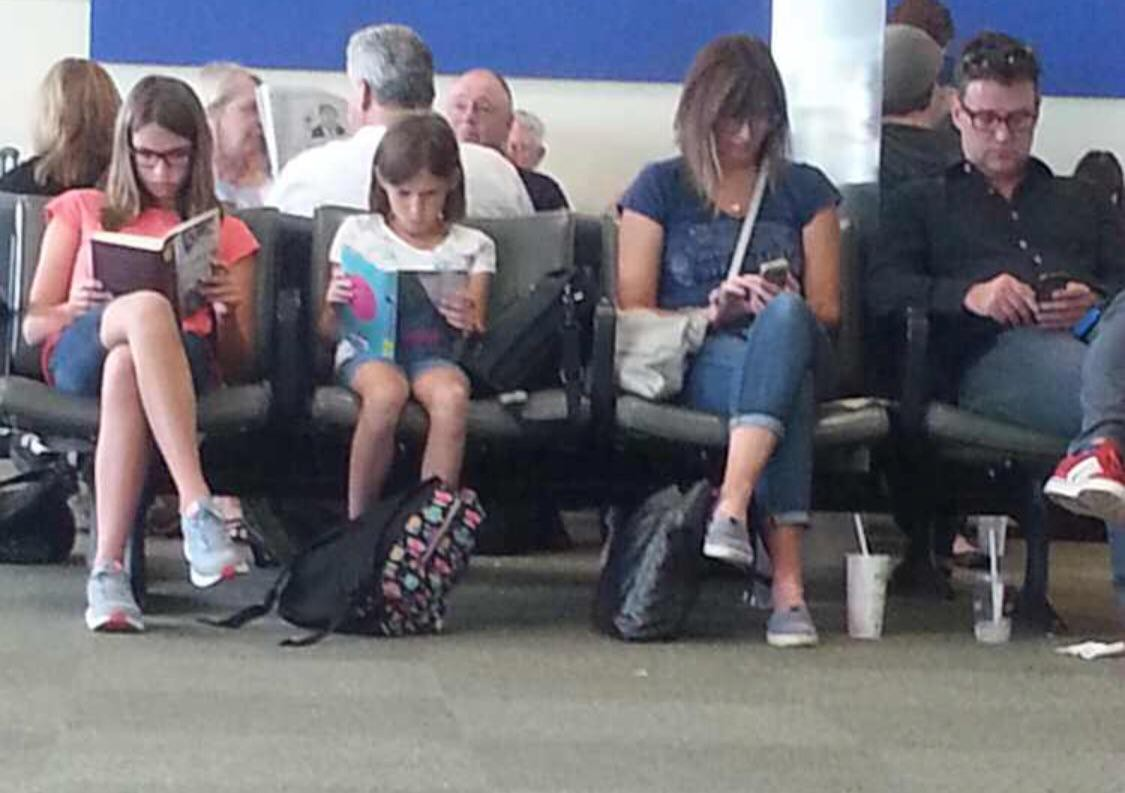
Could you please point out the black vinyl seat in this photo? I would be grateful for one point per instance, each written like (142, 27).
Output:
(29, 404)
(849, 428)
(527, 248)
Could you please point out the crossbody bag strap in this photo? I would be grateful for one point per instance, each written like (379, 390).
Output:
(748, 222)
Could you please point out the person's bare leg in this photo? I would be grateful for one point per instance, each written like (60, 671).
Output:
(146, 324)
(121, 458)
(444, 392)
(785, 556)
(749, 451)
(383, 392)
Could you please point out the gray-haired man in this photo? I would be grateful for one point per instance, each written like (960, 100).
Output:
(391, 72)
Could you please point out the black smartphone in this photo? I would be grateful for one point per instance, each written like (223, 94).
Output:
(1048, 283)
(776, 271)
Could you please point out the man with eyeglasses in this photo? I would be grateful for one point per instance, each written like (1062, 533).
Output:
(1008, 260)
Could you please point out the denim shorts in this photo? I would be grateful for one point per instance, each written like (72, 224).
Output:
(345, 373)
(75, 363)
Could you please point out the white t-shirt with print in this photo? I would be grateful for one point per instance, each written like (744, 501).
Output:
(463, 250)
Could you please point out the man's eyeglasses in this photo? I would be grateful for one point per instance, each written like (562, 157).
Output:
(1017, 122)
(173, 159)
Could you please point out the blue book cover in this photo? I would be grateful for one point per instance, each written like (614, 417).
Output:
(370, 321)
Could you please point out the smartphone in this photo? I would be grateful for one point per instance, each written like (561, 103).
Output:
(776, 271)
(1048, 283)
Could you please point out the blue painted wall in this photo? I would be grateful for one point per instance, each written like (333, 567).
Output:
(1081, 42)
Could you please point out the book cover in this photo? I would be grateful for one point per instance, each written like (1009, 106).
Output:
(172, 264)
(297, 118)
(370, 322)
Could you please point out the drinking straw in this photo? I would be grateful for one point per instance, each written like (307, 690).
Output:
(994, 574)
(860, 534)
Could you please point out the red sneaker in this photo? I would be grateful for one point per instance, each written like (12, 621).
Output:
(1091, 482)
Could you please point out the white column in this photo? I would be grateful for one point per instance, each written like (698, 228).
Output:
(830, 54)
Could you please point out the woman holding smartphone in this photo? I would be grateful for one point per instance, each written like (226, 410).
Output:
(679, 225)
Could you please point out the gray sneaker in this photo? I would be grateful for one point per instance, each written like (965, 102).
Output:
(791, 627)
(110, 606)
(728, 541)
(211, 554)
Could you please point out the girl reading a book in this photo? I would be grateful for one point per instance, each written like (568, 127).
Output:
(130, 350)
(441, 272)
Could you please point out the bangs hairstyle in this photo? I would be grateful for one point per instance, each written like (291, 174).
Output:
(171, 104)
(733, 77)
(74, 130)
(415, 143)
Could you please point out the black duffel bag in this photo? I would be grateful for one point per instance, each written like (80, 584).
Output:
(653, 564)
(36, 524)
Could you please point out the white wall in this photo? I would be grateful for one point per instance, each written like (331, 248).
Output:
(599, 133)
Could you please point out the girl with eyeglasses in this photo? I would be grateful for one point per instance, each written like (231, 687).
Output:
(130, 350)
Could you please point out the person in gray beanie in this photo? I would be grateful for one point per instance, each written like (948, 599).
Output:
(914, 143)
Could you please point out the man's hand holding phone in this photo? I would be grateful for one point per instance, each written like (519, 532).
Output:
(1063, 302)
(1005, 299)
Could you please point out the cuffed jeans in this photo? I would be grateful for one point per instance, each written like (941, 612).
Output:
(764, 377)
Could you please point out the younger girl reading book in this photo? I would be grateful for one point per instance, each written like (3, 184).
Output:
(441, 272)
(130, 350)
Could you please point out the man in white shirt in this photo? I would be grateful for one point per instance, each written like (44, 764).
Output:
(391, 71)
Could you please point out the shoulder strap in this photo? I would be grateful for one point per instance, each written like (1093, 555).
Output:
(748, 222)
(570, 364)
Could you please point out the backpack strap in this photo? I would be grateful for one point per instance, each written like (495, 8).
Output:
(251, 613)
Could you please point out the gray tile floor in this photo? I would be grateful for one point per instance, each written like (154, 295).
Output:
(520, 695)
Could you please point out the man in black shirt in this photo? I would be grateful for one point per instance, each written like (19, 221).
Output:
(479, 108)
(1005, 258)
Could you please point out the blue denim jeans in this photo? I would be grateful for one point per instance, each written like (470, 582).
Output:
(76, 362)
(1029, 377)
(764, 377)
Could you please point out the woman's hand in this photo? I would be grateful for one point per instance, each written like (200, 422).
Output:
(341, 291)
(739, 297)
(222, 291)
(460, 311)
(89, 295)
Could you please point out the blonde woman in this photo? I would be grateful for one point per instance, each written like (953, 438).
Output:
(78, 103)
(239, 158)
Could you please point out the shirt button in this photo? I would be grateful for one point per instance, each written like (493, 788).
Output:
(1023, 245)
(1037, 259)
(1015, 215)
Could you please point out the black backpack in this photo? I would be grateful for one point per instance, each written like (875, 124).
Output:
(36, 524)
(386, 574)
(535, 342)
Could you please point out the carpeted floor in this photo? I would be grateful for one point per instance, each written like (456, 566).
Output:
(520, 694)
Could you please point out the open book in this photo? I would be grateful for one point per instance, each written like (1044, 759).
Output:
(294, 119)
(173, 264)
(392, 310)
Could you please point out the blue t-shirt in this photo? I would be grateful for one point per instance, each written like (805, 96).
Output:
(698, 243)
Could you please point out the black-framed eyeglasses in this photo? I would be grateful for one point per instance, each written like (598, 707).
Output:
(1017, 122)
(173, 159)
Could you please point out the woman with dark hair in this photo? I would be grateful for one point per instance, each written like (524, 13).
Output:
(73, 132)
(130, 350)
(679, 224)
